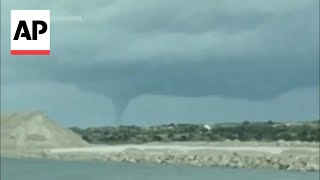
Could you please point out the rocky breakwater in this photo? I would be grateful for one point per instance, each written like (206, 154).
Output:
(285, 158)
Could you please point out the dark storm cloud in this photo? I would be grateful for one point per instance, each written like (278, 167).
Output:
(156, 29)
(194, 19)
(245, 79)
(250, 80)
(255, 50)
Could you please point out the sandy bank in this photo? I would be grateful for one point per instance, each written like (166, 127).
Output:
(30, 131)
(182, 148)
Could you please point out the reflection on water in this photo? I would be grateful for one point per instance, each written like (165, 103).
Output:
(12, 169)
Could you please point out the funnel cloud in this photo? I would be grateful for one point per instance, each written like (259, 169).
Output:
(252, 53)
(251, 80)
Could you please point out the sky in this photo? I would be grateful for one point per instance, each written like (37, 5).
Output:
(168, 61)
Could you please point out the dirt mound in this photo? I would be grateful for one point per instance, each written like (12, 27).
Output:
(34, 131)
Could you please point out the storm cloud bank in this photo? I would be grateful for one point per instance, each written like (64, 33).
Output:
(255, 50)
(249, 80)
(231, 79)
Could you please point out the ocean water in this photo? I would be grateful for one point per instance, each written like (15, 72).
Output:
(13, 169)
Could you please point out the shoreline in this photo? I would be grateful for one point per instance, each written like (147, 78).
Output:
(35, 135)
(284, 156)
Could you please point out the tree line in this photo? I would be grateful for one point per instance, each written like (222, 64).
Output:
(246, 131)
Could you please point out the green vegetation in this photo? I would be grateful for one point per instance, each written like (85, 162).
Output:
(246, 131)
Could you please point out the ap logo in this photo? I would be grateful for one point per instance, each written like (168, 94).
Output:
(30, 32)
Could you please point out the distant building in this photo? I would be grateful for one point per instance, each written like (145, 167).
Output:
(207, 127)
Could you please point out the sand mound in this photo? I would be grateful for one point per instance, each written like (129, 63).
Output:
(34, 131)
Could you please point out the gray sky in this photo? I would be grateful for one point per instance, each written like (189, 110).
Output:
(163, 61)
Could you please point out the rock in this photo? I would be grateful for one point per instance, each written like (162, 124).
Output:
(283, 143)
(312, 167)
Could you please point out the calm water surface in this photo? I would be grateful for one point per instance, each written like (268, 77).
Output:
(13, 169)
